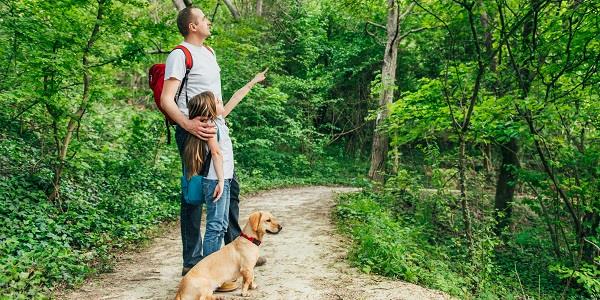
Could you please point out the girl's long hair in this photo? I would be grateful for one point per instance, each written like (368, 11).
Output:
(195, 149)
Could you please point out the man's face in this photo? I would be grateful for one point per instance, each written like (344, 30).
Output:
(201, 24)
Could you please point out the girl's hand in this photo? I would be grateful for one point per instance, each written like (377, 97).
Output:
(218, 191)
(260, 76)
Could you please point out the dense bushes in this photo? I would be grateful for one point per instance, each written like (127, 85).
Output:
(414, 241)
(113, 196)
(385, 246)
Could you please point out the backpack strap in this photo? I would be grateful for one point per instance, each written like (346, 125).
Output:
(209, 49)
(168, 125)
(189, 63)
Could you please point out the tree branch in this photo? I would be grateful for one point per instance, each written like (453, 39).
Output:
(414, 31)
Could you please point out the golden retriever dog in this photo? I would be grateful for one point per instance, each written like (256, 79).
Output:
(232, 261)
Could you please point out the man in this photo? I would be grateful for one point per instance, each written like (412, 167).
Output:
(194, 26)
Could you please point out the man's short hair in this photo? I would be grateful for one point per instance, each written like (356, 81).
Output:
(184, 18)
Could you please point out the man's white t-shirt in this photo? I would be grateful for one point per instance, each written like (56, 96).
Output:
(205, 74)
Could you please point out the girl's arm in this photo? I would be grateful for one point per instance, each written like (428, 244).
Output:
(217, 158)
(241, 93)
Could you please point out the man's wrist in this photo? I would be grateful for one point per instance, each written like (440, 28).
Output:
(184, 124)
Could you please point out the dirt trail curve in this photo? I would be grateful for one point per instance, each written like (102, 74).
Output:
(305, 261)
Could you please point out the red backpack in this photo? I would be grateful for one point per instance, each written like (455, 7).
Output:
(156, 80)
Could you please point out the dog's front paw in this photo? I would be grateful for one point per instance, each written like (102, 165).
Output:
(245, 294)
(253, 286)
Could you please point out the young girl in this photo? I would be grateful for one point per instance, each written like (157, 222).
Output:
(217, 182)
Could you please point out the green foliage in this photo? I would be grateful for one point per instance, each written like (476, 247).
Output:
(587, 276)
(112, 197)
(391, 247)
(409, 114)
(415, 240)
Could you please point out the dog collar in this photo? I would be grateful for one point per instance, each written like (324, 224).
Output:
(254, 241)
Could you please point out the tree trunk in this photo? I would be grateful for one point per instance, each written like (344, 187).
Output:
(379, 147)
(232, 9)
(488, 164)
(259, 8)
(76, 117)
(463, 128)
(179, 4)
(378, 152)
(466, 212)
(505, 188)
(551, 225)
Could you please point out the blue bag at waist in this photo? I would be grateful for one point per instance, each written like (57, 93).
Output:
(192, 189)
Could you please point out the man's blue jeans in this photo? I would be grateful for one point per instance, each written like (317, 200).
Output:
(217, 215)
(190, 217)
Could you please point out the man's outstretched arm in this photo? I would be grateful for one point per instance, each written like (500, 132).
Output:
(195, 126)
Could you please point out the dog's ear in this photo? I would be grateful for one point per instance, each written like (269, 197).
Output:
(255, 220)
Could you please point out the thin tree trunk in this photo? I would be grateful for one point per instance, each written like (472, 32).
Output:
(14, 53)
(259, 8)
(464, 128)
(486, 152)
(551, 227)
(179, 4)
(466, 212)
(379, 147)
(76, 118)
(232, 9)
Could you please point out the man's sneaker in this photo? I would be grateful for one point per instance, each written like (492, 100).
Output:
(228, 286)
(185, 270)
(260, 261)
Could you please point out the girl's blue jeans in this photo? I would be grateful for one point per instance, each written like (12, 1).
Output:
(217, 216)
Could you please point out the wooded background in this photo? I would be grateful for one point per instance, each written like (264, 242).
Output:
(472, 126)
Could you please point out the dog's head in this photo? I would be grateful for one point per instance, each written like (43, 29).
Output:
(264, 222)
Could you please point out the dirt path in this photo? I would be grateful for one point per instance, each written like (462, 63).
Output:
(305, 261)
